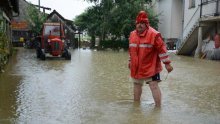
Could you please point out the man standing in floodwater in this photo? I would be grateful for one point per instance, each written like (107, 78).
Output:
(147, 50)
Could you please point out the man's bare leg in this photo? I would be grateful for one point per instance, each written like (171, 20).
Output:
(137, 91)
(156, 93)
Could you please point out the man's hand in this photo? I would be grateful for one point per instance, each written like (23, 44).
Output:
(168, 67)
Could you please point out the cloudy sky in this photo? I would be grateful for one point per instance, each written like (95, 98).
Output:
(67, 8)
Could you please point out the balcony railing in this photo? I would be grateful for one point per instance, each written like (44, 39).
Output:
(206, 9)
(210, 8)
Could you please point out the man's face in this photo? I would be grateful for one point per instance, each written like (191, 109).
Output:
(141, 27)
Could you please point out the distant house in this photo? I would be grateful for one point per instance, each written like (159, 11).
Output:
(68, 25)
(21, 31)
(188, 22)
(22, 24)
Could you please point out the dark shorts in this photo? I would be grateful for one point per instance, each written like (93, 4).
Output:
(156, 77)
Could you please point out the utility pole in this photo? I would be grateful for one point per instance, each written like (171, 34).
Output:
(39, 4)
(44, 8)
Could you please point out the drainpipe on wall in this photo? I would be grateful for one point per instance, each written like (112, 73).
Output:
(201, 9)
(216, 13)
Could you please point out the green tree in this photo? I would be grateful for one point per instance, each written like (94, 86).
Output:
(4, 50)
(90, 21)
(35, 19)
(114, 17)
(125, 12)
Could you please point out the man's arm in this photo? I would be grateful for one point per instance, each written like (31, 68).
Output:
(163, 54)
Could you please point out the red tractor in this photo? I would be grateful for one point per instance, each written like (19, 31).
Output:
(52, 42)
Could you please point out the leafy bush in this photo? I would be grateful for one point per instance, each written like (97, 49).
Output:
(4, 50)
(114, 44)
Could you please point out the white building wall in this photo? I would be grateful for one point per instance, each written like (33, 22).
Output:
(164, 9)
(191, 16)
(176, 18)
(190, 13)
(171, 16)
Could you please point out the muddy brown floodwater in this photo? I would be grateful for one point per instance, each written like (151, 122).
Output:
(94, 88)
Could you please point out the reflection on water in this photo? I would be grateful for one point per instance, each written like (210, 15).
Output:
(93, 88)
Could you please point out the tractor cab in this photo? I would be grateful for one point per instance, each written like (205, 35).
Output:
(52, 42)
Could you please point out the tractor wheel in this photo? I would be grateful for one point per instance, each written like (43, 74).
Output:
(68, 56)
(38, 52)
(63, 54)
(42, 56)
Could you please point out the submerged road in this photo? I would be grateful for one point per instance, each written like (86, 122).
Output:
(94, 88)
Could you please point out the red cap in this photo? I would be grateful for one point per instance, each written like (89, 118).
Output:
(142, 17)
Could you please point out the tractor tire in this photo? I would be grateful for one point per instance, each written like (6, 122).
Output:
(63, 55)
(68, 56)
(42, 56)
(38, 52)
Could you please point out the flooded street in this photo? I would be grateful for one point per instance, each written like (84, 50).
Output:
(94, 88)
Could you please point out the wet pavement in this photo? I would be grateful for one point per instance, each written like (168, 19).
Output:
(94, 88)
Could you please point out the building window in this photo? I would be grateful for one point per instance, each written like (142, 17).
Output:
(191, 4)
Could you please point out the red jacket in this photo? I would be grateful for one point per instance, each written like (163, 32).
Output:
(146, 50)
